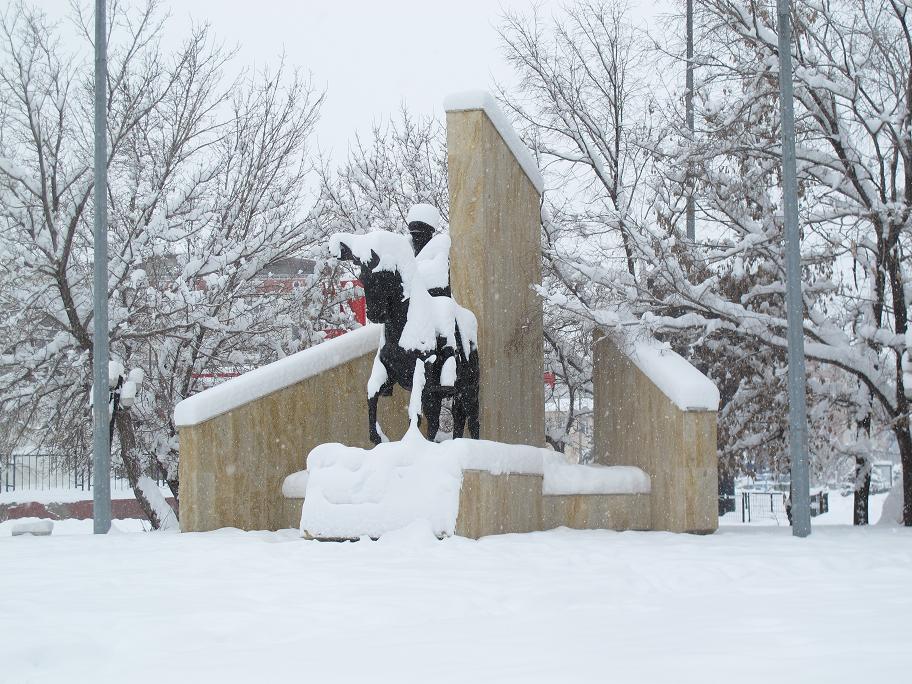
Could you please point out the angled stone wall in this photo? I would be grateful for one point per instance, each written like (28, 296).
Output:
(233, 464)
(637, 423)
(495, 227)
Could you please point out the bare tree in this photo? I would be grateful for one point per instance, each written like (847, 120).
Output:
(403, 163)
(205, 191)
(852, 89)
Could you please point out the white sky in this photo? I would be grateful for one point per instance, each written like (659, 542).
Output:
(370, 55)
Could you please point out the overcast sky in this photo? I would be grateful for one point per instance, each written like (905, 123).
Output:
(370, 55)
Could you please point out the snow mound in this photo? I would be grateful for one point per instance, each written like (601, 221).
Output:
(354, 492)
(567, 479)
(482, 99)
(295, 485)
(276, 376)
(36, 528)
(891, 514)
(418, 533)
(498, 458)
(678, 380)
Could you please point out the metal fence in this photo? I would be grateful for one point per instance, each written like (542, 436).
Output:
(40, 472)
(771, 505)
(759, 505)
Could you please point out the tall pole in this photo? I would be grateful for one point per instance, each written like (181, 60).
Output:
(800, 494)
(689, 109)
(101, 442)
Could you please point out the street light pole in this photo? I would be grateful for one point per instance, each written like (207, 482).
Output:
(101, 442)
(800, 494)
(689, 114)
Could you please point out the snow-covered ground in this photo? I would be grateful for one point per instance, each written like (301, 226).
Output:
(119, 490)
(747, 604)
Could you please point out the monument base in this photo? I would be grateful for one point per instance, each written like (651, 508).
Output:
(470, 488)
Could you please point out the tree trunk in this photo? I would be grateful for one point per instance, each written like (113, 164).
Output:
(174, 486)
(557, 444)
(862, 490)
(132, 464)
(904, 439)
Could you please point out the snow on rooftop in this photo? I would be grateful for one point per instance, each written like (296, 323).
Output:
(276, 376)
(482, 99)
(681, 382)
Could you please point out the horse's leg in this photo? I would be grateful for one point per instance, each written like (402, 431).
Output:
(459, 416)
(430, 408)
(474, 424)
(470, 394)
(372, 419)
(376, 432)
(470, 410)
(378, 383)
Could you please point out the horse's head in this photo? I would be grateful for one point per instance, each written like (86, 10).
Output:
(382, 289)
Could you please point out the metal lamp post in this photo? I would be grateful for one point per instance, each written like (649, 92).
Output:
(689, 114)
(101, 442)
(800, 482)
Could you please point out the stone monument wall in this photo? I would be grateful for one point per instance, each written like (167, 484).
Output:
(495, 227)
(233, 461)
(668, 431)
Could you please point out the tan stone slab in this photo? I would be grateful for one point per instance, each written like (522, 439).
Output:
(636, 424)
(233, 465)
(597, 511)
(495, 227)
(509, 503)
(292, 513)
(498, 504)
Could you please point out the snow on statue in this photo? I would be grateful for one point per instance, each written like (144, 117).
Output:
(407, 287)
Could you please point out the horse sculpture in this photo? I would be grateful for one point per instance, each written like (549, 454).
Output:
(416, 326)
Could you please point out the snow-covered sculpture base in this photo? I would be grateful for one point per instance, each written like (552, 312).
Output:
(353, 492)
(467, 487)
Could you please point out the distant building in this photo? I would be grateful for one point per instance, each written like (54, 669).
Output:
(286, 275)
(283, 275)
